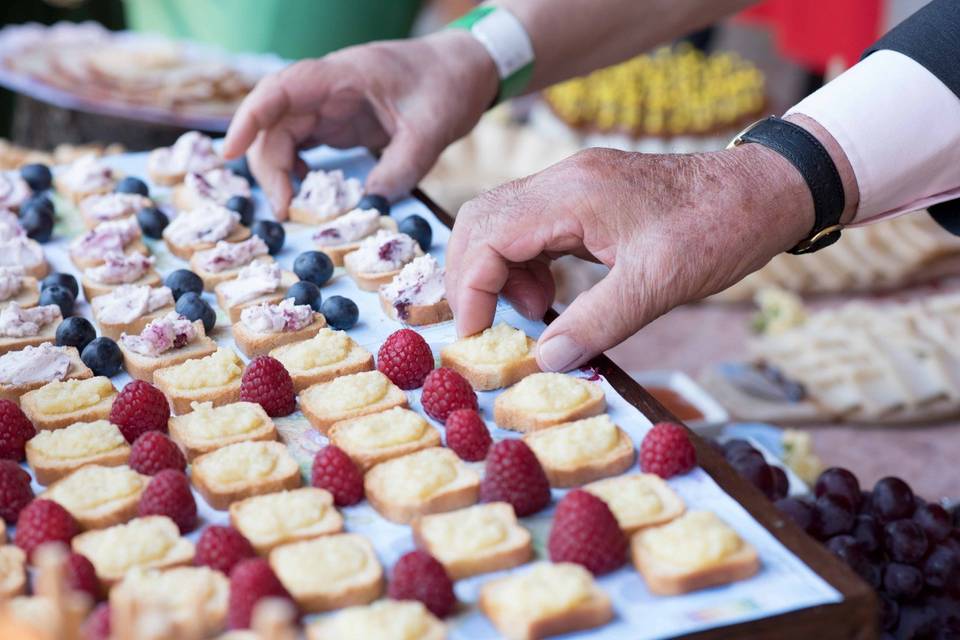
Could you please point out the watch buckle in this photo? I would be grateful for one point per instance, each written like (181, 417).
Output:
(813, 243)
(738, 139)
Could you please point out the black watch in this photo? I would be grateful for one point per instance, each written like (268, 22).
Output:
(811, 159)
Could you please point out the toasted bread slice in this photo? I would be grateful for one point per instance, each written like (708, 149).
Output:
(254, 344)
(27, 297)
(418, 314)
(191, 599)
(287, 280)
(212, 278)
(427, 481)
(543, 400)
(638, 500)
(75, 370)
(37, 271)
(208, 428)
(498, 357)
(375, 437)
(75, 196)
(184, 252)
(372, 281)
(382, 619)
(349, 397)
(143, 367)
(92, 289)
(47, 333)
(694, 551)
(575, 453)
(275, 519)
(331, 572)
(327, 355)
(478, 539)
(244, 469)
(151, 542)
(214, 378)
(55, 454)
(84, 262)
(115, 330)
(337, 252)
(99, 496)
(13, 572)
(64, 402)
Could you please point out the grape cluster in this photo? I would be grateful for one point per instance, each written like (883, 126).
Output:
(750, 463)
(904, 547)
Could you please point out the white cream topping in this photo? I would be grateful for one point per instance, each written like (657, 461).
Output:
(419, 283)
(113, 206)
(277, 318)
(10, 225)
(20, 251)
(192, 153)
(386, 251)
(17, 322)
(172, 331)
(328, 193)
(34, 364)
(106, 237)
(230, 255)
(350, 227)
(11, 281)
(128, 302)
(254, 280)
(209, 222)
(217, 185)
(14, 190)
(87, 174)
(120, 268)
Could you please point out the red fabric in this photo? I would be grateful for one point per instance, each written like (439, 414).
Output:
(812, 33)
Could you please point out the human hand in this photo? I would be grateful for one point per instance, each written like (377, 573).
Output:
(408, 98)
(672, 229)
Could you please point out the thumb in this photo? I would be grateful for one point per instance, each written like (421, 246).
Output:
(402, 164)
(601, 317)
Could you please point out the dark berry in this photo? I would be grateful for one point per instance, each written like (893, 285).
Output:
(901, 581)
(941, 569)
(934, 520)
(305, 293)
(37, 221)
(313, 266)
(889, 612)
(375, 201)
(192, 306)
(781, 484)
(75, 332)
(868, 533)
(63, 279)
(271, 233)
(244, 207)
(832, 516)
(37, 176)
(757, 471)
(152, 222)
(905, 541)
(734, 446)
(851, 552)
(839, 482)
(341, 313)
(59, 295)
(797, 510)
(103, 356)
(182, 281)
(418, 229)
(892, 499)
(131, 184)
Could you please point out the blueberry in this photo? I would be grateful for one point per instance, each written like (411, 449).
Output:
(341, 313)
(38, 200)
(37, 221)
(63, 279)
(305, 293)
(103, 356)
(313, 266)
(244, 206)
(59, 295)
(152, 221)
(271, 233)
(38, 176)
(75, 332)
(192, 306)
(240, 167)
(182, 281)
(375, 201)
(418, 229)
(132, 185)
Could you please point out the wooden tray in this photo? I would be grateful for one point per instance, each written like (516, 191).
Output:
(854, 617)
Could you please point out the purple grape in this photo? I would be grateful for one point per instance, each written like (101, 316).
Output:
(934, 520)
(734, 446)
(874, 575)
(832, 516)
(866, 504)
(941, 569)
(868, 533)
(781, 484)
(797, 510)
(905, 541)
(889, 613)
(839, 482)
(851, 552)
(901, 581)
(892, 499)
(756, 471)
(917, 620)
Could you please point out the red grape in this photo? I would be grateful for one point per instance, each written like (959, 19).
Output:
(868, 533)
(905, 541)
(934, 520)
(797, 510)
(892, 499)
(901, 581)
(840, 483)
(942, 568)
(833, 516)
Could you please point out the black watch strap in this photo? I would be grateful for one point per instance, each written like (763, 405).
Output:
(811, 159)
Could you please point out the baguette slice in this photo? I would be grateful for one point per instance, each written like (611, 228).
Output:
(382, 619)
(47, 333)
(214, 378)
(114, 330)
(92, 288)
(75, 370)
(498, 357)
(208, 428)
(328, 355)
(543, 400)
(639, 500)
(372, 281)
(347, 397)
(55, 454)
(376, 437)
(547, 600)
(212, 278)
(134, 246)
(191, 599)
(242, 470)
(143, 367)
(418, 314)
(478, 539)
(578, 452)
(13, 572)
(427, 481)
(27, 297)
(64, 402)
(185, 251)
(331, 572)
(287, 280)
(76, 197)
(254, 344)
(275, 519)
(98, 496)
(337, 252)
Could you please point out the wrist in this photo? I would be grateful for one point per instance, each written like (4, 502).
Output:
(468, 65)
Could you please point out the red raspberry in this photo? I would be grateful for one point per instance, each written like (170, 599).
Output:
(153, 452)
(334, 471)
(15, 491)
(15, 430)
(138, 408)
(168, 494)
(405, 358)
(586, 532)
(44, 521)
(221, 548)
(251, 580)
(514, 475)
(81, 576)
(266, 381)
(419, 576)
(97, 624)
(445, 391)
(467, 435)
(666, 450)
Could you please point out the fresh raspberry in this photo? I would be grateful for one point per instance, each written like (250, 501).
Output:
(585, 531)
(221, 548)
(153, 452)
(266, 382)
(467, 435)
(514, 475)
(44, 521)
(666, 450)
(334, 471)
(445, 391)
(168, 494)
(419, 576)
(97, 624)
(15, 430)
(405, 358)
(81, 576)
(15, 491)
(251, 580)
(138, 408)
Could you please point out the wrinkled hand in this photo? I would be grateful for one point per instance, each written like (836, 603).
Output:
(408, 98)
(672, 229)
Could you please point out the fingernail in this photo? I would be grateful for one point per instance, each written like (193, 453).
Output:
(523, 310)
(559, 353)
